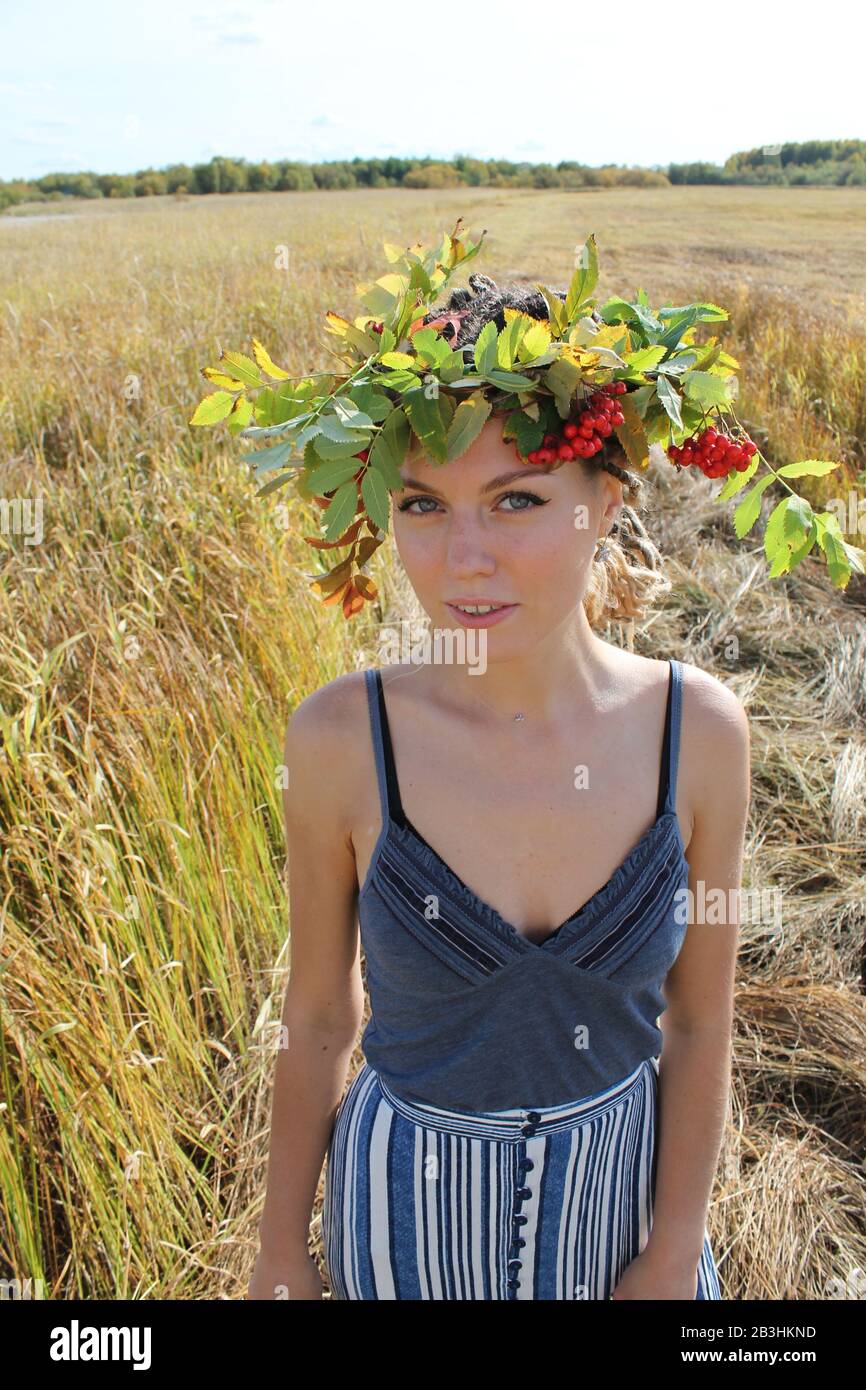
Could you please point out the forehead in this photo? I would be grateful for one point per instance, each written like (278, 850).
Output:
(489, 462)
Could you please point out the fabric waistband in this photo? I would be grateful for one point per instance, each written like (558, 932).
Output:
(521, 1124)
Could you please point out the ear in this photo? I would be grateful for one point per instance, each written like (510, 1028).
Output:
(613, 497)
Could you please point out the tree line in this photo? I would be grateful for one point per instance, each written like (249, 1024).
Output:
(826, 163)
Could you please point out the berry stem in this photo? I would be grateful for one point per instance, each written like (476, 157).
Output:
(767, 464)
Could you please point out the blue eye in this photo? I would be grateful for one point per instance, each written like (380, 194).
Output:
(532, 496)
(533, 499)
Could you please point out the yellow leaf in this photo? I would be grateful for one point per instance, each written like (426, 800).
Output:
(632, 435)
(268, 367)
(519, 314)
(218, 378)
(335, 323)
(610, 335)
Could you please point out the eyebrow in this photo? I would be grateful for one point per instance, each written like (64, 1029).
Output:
(503, 478)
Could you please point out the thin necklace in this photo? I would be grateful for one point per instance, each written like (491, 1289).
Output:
(515, 718)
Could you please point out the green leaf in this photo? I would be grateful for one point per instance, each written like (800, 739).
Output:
(670, 399)
(241, 415)
(679, 325)
(641, 399)
(462, 383)
(242, 368)
(486, 349)
(616, 310)
(213, 408)
(425, 417)
(790, 534)
(466, 424)
(526, 432)
(563, 378)
(707, 389)
(842, 558)
(555, 309)
(327, 450)
(365, 344)
(333, 429)
(534, 343)
(510, 381)
(798, 518)
(644, 358)
(399, 381)
(325, 477)
(275, 483)
(383, 297)
(584, 279)
(375, 495)
(265, 460)
(451, 367)
(736, 480)
(372, 402)
(431, 347)
(678, 364)
(350, 415)
(390, 447)
(798, 553)
(747, 513)
(403, 361)
(340, 510)
(814, 468)
(508, 342)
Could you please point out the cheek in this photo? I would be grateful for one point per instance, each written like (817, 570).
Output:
(550, 550)
(420, 547)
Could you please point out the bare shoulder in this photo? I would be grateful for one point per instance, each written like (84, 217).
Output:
(326, 742)
(714, 758)
(711, 708)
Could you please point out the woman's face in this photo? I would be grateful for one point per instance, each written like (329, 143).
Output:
(466, 531)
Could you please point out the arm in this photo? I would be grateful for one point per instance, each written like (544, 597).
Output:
(324, 1000)
(694, 1068)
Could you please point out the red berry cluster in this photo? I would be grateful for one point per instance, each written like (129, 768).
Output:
(715, 454)
(583, 437)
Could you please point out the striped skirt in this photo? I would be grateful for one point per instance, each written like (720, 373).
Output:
(551, 1203)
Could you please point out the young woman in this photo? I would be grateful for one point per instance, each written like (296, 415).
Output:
(546, 1067)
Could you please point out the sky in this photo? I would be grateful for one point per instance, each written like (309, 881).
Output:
(115, 87)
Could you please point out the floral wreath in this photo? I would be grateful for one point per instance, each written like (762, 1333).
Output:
(564, 385)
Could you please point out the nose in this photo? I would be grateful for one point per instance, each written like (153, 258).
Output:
(468, 550)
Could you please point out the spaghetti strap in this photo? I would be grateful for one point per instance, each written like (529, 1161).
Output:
(671, 746)
(386, 772)
(374, 695)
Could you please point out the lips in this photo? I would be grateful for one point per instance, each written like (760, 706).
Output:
(489, 604)
(495, 613)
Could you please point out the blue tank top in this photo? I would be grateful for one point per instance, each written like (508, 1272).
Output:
(469, 1014)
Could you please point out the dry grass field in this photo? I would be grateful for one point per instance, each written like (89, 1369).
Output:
(155, 639)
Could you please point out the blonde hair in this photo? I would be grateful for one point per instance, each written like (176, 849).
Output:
(626, 578)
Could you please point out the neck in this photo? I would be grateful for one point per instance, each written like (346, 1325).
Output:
(538, 685)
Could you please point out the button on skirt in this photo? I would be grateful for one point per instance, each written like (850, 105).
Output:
(550, 1203)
